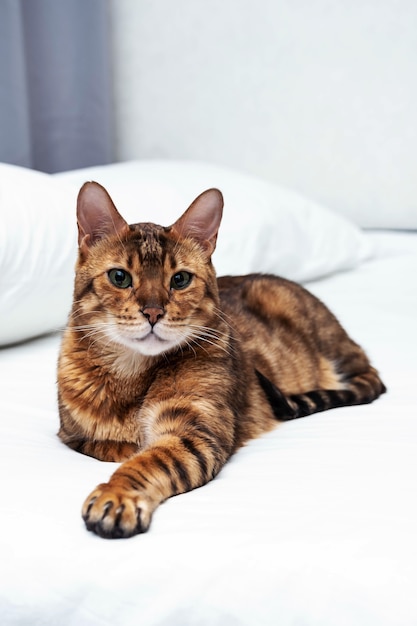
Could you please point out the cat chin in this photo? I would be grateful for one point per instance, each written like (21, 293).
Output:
(151, 345)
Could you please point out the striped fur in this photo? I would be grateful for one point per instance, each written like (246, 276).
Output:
(168, 370)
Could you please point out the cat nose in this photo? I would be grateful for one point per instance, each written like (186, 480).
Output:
(153, 314)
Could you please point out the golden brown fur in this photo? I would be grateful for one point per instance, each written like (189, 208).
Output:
(169, 370)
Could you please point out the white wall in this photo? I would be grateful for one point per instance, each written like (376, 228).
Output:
(319, 95)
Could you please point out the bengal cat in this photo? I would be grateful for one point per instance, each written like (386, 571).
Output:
(169, 370)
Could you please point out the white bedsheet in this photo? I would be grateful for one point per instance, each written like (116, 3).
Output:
(312, 524)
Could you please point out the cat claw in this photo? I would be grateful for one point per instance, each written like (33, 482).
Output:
(114, 515)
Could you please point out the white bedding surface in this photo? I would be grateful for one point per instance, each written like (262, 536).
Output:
(312, 524)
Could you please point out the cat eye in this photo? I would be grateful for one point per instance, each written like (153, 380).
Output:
(120, 278)
(181, 280)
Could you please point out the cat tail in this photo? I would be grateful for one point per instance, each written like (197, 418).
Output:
(359, 389)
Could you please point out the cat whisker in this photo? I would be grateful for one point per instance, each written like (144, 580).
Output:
(190, 346)
(80, 312)
(91, 331)
(209, 329)
(224, 318)
(212, 339)
(88, 326)
(95, 332)
(216, 337)
(197, 337)
(58, 329)
(197, 341)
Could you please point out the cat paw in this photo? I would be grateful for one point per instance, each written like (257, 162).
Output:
(113, 512)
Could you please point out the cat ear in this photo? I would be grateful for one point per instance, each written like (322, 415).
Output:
(202, 219)
(97, 217)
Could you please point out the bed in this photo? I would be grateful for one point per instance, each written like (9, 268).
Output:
(313, 523)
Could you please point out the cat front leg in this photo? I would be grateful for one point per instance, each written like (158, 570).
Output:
(111, 451)
(103, 450)
(123, 507)
(172, 465)
(105, 442)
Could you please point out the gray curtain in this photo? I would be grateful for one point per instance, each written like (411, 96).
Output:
(55, 84)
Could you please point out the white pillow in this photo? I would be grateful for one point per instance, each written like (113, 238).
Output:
(265, 228)
(37, 252)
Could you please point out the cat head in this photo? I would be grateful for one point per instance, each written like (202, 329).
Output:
(145, 287)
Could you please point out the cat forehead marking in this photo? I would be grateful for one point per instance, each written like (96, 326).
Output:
(149, 245)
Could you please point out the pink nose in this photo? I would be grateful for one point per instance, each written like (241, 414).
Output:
(153, 314)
